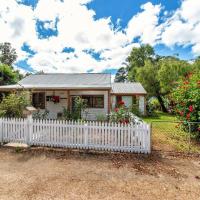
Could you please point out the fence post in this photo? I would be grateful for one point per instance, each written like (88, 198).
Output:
(150, 137)
(189, 139)
(86, 135)
(30, 129)
(1, 132)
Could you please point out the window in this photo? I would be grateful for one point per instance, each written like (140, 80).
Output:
(38, 100)
(94, 101)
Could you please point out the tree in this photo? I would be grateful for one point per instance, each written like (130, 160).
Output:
(8, 75)
(8, 54)
(159, 77)
(121, 75)
(7, 57)
(148, 76)
(170, 70)
(137, 59)
(196, 64)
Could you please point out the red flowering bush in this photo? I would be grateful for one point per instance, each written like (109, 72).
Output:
(120, 114)
(186, 98)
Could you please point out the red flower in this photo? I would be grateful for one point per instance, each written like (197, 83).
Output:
(190, 108)
(126, 121)
(181, 113)
(116, 109)
(188, 116)
(186, 82)
(198, 129)
(121, 103)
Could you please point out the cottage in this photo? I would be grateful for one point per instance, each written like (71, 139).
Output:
(55, 91)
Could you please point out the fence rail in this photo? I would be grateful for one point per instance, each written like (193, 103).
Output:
(71, 134)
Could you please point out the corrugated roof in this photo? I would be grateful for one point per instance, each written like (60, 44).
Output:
(55, 80)
(128, 88)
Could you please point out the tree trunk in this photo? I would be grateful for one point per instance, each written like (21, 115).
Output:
(164, 109)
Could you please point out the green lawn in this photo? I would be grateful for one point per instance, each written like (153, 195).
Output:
(166, 135)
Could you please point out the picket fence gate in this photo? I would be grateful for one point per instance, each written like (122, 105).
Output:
(74, 134)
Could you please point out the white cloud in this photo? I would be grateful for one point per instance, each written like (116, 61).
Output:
(183, 27)
(145, 24)
(77, 28)
(17, 25)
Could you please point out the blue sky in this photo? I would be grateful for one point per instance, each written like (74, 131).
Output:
(97, 35)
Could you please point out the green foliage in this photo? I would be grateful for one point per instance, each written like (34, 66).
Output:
(159, 77)
(135, 110)
(186, 98)
(137, 59)
(170, 70)
(8, 54)
(66, 115)
(157, 74)
(79, 107)
(14, 104)
(8, 75)
(154, 104)
(101, 117)
(121, 75)
(121, 114)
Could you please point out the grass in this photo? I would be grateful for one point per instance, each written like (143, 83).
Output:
(167, 135)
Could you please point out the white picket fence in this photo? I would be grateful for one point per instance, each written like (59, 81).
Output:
(71, 134)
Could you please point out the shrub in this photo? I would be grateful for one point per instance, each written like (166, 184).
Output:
(66, 114)
(154, 104)
(120, 114)
(135, 110)
(101, 117)
(14, 104)
(186, 99)
(79, 107)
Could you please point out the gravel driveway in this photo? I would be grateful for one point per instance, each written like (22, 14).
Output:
(39, 173)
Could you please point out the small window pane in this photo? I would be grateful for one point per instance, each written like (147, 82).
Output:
(94, 101)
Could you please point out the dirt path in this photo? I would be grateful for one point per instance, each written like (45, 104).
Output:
(44, 174)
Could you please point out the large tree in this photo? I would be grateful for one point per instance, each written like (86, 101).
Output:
(137, 59)
(159, 78)
(8, 75)
(158, 74)
(8, 54)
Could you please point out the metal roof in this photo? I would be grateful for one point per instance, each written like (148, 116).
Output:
(128, 88)
(75, 81)
(56, 80)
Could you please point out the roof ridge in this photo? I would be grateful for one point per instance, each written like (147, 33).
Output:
(70, 73)
(125, 82)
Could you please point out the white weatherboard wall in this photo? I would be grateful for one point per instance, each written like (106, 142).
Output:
(92, 113)
(141, 104)
(55, 108)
